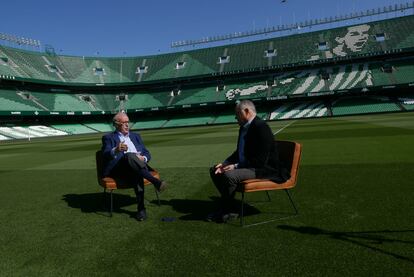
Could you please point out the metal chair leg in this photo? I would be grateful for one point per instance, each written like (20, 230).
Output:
(111, 200)
(291, 201)
(242, 210)
(267, 221)
(112, 205)
(268, 196)
(158, 197)
(104, 199)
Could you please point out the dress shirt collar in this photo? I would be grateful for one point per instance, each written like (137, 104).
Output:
(122, 135)
(247, 124)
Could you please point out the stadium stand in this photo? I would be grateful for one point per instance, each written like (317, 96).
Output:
(100, 127)
(186, 120)
(149, 124)
(407, 103)
(148, 100)
(74, 129)
(299, 110)
(362, 105)
(13, 100)
(365, 68)
(27, 132)
(225, 118)
(353, 41)
(199, 95)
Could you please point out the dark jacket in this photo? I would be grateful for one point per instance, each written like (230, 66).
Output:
(260, 152)
(111, 140)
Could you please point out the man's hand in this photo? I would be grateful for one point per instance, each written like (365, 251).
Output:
(142, 158)
(220, 168)
(122, 147)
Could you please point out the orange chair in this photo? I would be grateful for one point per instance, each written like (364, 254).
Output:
(289, 155)
(111, 184)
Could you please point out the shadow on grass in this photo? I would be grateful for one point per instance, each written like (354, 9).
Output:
(368, 239)
(194, 209)
(95, 203)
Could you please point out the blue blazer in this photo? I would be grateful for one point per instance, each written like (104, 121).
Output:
(110, 141)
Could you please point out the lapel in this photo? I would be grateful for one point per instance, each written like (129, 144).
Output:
(134, 140)
(116, 137)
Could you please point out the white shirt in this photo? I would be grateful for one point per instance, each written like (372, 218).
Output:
(131, 146)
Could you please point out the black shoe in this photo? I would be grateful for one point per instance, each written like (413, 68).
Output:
(141, 215)
(163, 186)
(215, 216)
(229, 216)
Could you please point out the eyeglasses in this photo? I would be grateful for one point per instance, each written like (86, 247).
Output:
(122, 123)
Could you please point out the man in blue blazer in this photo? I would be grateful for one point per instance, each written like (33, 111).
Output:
(126, 160)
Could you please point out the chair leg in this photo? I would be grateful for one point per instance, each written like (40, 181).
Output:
(112, 205)
(104, 198)
(291, 201)
(111, 200)
(268, 196)
(158, 197)
(268, 221)
(242, 210)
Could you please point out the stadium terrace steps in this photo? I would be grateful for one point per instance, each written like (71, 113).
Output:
(65, 102)
(10, 105)
(105, 101)
(189, 121)
(10, 100)
(299, 110)
(149, 124)
(28, 132)
(4, 138)
(322, 80)
(225, 118)
(198, 95)
(339, 42)
(407, 103)
(314, 81)
(247, 90)
(292, 110)
(74, 129)
(361, 105)
(100, 127)
(147, 100)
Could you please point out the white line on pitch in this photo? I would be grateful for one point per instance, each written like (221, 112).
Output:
(281, 129)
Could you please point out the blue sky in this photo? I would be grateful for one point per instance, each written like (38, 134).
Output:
(135, 28)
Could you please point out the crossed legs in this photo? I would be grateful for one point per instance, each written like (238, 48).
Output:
(131, 170)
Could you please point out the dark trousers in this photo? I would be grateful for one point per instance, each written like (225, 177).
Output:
(227, 184)
(130, 170)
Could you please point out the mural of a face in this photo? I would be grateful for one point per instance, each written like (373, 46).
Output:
(355, 38)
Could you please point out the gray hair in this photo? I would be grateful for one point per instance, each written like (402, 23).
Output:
(116, 116)
(243, 104)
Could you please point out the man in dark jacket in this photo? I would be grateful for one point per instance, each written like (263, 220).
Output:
(256, 156)
(126, 160)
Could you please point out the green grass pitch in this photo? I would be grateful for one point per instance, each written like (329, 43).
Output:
(355, 199)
